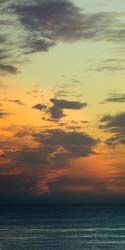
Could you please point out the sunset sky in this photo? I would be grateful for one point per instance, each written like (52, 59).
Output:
(62, 103)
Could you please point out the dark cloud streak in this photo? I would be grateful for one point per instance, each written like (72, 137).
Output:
(115, 98)
(6, 68)
(114, 124)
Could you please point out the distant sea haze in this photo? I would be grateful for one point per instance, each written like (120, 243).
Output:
(62, 228)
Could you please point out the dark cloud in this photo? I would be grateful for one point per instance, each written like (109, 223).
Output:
(77, 144)
(116, 98)
(64, 104)
(39, 106)
(6, 68)
(30, 156)
(36, 45)
(56, 111)
(41, 24)
(56, 143)
(64, 21)
(113, 121)
(60, 21)
(114, 124)
(32, 169)
(57, 20)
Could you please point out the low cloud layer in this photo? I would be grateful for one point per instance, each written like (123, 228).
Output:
(33, 169)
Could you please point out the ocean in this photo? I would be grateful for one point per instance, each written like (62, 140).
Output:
(62, 228)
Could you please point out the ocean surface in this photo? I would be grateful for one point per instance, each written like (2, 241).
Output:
(62, 228)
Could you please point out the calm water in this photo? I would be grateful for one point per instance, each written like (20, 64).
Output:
(62, 228)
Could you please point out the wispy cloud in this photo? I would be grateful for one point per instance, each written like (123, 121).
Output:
(6, 68)
(114, 124)
(17, 101)
(115, 98)
(109, 65)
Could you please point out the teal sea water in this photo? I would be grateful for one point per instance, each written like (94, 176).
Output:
(62, 228)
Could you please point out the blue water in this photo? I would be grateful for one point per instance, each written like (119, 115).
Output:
(62, 228)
